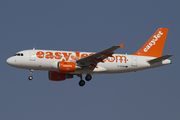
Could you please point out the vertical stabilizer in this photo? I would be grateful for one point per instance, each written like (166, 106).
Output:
(154, 46)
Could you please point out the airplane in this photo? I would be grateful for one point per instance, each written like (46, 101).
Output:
(64, 65)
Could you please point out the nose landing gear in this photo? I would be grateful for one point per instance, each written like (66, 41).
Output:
(30, 77)
(31, 73)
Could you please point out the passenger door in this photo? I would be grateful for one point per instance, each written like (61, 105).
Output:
(32, 55)
(134, 61)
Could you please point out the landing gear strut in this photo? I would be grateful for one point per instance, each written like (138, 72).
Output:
(81, 82)
(31, 73)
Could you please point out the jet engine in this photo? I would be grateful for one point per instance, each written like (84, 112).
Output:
(64, 66)
(57, 76)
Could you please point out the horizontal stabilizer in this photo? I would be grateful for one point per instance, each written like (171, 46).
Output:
(159, 59)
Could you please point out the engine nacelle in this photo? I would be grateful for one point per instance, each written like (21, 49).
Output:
(64, 66)
(57, 76)
(67, 66)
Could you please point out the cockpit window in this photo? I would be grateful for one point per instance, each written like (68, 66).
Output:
(18, 54)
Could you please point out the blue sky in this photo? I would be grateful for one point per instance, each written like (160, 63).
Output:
(89, 26)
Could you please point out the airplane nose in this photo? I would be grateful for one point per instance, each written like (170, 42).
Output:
(9, 61)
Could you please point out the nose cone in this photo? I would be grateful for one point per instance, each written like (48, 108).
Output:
(9, 61)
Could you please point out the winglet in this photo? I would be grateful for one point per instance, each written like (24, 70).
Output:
(121, 45)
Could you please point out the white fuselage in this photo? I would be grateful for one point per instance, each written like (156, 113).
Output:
(47, 59)
(65, 64)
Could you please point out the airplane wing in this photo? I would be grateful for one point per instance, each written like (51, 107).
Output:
(93, 59)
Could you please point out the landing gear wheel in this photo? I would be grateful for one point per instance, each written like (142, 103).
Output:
(30, 77)
(31, 73)
(88, 77)
(81, 83)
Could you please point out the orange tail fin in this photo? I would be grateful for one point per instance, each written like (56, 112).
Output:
(154, 46)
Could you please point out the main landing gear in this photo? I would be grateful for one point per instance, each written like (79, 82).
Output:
(88, 77)
(82, 82)
(31, 73)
